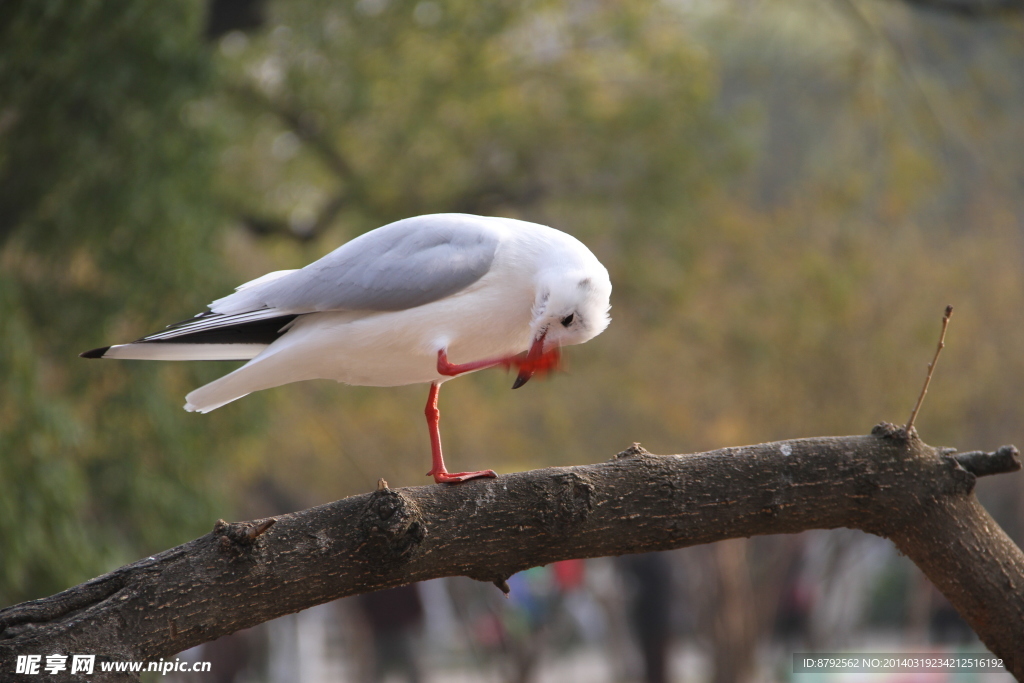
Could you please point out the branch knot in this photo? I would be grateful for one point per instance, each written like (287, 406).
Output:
(240, 535)
(634, 451)
(887, 430)
(393, 527)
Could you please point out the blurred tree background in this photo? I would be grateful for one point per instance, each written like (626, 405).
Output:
(107, 226)
(786, 194)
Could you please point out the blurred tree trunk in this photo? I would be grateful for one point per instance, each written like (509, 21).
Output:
(225, 16)
(888, 483)
(735, 624)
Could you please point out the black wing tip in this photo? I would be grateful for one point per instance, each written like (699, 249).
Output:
(95, 353)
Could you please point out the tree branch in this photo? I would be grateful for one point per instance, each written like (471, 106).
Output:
(306, 128)
(265, 226)
(240, 575)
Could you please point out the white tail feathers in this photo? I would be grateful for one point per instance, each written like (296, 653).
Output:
(255, 375)
(215, 394)
(172, 351)
(201, 408)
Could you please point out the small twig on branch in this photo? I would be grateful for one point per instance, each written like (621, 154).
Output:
(982, 464)
(909, 429)
(244, 533)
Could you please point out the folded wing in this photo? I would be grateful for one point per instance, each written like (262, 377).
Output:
(403, 265)
(399, 266)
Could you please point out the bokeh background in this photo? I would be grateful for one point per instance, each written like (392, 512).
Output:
(787, 193)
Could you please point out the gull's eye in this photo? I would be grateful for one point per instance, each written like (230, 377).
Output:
(567, 320)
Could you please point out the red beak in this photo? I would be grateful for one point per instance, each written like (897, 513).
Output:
(535, 360)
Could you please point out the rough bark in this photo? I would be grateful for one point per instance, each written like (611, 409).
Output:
(239, 575)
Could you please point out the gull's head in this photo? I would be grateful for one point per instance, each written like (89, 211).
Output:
(571, 306)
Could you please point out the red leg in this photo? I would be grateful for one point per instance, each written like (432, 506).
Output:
(445, 367)
(438, 471)
(536, 360)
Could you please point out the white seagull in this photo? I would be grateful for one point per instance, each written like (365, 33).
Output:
(420, 300)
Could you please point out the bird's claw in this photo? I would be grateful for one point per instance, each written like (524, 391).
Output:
(457, 477)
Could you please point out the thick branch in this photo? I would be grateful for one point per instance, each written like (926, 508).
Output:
(243, 574)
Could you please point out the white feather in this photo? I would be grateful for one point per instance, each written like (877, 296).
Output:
(491, 318)
(263, 279)
(171, 351)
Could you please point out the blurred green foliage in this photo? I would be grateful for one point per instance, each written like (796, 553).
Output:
(786, 194)
(106, 225)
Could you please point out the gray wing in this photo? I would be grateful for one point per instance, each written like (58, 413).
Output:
(401, 265)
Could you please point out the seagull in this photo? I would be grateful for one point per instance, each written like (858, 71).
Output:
(419, 300)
